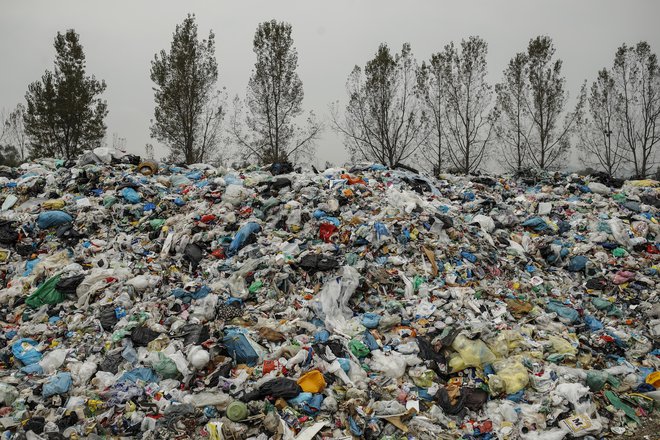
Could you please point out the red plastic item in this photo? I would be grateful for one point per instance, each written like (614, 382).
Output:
(326, 230)
(353, 180)
(208, 218)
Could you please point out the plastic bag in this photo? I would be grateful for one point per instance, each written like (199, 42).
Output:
(49, 219)
(8, 394)
(165, 367)
(130, 195)
(58, 384)
(512, 373)
(46, 294)
(334, 299)
(474, 353)
(24, 350)
(53, 360)
(393, 366)
(239, 348)
(242, 236)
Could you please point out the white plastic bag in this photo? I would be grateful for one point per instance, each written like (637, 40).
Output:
(334, 299)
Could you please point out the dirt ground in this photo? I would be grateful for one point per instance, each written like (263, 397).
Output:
(650, 430)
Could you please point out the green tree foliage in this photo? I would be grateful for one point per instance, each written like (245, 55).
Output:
(189, 109)
(270, 130)
(384, 120)
(65, 113)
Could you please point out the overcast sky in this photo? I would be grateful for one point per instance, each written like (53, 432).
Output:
(121, 37)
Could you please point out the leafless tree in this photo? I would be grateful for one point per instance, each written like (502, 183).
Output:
(549, 142)
(468, 113)
(432, 85)
(513, 124)
(601, 136)
(383, 120)
(270, 130)
(637, 80)
(12, 131)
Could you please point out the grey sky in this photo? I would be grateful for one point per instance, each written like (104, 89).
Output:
(121, 37)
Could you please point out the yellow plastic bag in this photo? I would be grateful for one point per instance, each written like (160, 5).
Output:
(512, 373)
(53, 204)
(562, 346)
(474, 353)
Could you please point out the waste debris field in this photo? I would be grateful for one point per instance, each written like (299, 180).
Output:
(155, 301)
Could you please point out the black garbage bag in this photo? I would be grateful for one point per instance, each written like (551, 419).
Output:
(437, 360)
(111, 363)
(483, 180)
(474, 398)
(68, 233)
(141, 336)
(24, 250)
(8, 235)
(598, 283)
(194, 254)
(70, 284)
(108, 318)
(650, 199)
(447, 221)
(281, 168)
(337, 348)
(318, 262)
(69, 418)
(280, 387)
(194, 334)
(444, 401)
(35, 424)
(280, 182)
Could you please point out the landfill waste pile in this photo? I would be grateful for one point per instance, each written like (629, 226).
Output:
(155, 301)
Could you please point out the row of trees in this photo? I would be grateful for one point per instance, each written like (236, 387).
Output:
(439, 115)
(443, 114)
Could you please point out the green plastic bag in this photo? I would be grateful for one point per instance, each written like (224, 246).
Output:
(156, 223)
(255, 286)
(46, 294)
(619, 252)
(165, 367)
(358, 348)
(596, 380)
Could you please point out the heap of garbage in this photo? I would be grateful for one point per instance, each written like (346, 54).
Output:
(156, 301)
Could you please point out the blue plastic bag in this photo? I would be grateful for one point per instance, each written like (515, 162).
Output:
(130, 195)
(58, 384)
(370, 320)
(241, 237)
(381, 230)
(593, 323)
(29, 266)
(564, 312)
(24, 351)
(144, 374)
(577, 263)
(240, 349)
(536, 223)
(469, 256)
(49, 219)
